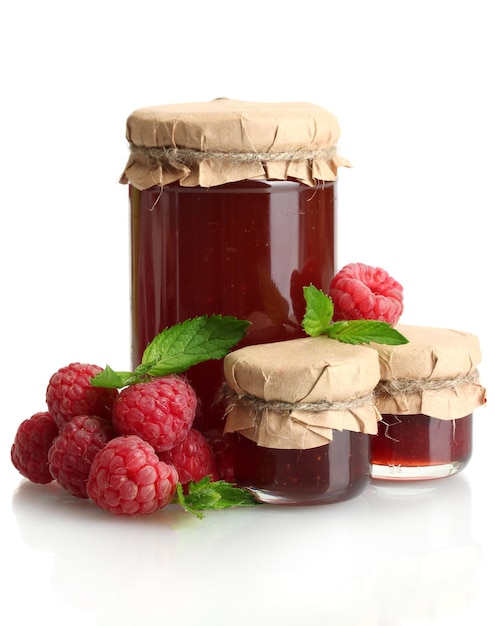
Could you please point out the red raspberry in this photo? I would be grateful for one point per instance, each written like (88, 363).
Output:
(70, 393)
(193, 458)
(360, 291)
(222, 446)
(160, 411)
(74, 449)
(128, 478)
(29, 452)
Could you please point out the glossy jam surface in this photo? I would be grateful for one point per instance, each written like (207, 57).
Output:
(244, 249)
(336, 471)
(420, 446)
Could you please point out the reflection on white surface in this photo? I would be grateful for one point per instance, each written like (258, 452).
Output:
(425, 559)
(397, 554)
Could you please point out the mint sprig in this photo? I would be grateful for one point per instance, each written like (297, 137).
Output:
(178, 348)
(207, 495)
(318, 321)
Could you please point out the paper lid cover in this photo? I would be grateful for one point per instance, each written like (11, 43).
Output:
(434, 374)
(292, 394)
(212, 143)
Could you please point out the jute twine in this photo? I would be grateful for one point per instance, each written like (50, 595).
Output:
(257, 405)
(405, 386)
(391, 387)
(170, 155)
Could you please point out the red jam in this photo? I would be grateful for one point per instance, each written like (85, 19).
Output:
(244, 249)
(420, 447)
(331, 473)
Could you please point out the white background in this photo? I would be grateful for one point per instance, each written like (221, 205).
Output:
(412, 86)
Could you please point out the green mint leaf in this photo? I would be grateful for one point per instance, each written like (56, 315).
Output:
(111, 379)
(366, 331)
(319, 311)
(206, 495)
(193, 341)
(180, 498)
(318, 321)
(178, 348)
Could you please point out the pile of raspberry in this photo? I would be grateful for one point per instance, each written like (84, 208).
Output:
(127, 449)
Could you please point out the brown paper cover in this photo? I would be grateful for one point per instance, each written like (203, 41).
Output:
(434, 374)
(212, 143)
(310, 370)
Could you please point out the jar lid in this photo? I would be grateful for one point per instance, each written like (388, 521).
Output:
(434, 374)
(221, 141)
(292, 394)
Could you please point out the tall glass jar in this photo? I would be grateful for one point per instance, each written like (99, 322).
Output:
(301, 413)
(427, 393)
(233, 211)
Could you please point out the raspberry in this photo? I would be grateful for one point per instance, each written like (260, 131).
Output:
(70, 393)
(222, 446)
(360, 291)
(29, 452)
(74, 449)
(160, 411)
(193, 458)
(128, 478)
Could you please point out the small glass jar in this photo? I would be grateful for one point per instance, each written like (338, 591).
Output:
(302, 413)
(428, 391)
(233, 211)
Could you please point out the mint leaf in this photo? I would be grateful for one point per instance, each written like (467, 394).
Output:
(207, 495)
(190, 342)
(365, 331)
(178, 348)
(109, 378)
(319, 311)
(318, 321)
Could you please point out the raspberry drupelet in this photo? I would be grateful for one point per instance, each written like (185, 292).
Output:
(160, 411)
(192, 458)
(70, 393)
(128, 478)
(29, 452)
(222, 446)
(360, 291)
(73, 450)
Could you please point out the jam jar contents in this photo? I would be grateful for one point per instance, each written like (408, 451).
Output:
(336, 471)
(244, 249)
(301, 413)
(233, 212)
(419, 446)
(427, 393)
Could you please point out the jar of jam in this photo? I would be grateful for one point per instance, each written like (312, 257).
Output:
(233, 211)
(427, 393)
(302, 413)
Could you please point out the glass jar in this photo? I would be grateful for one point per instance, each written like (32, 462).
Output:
(229, 216)
(302, 413)
(419, 446)
(244, 249)
(428, 391)
(336, 471)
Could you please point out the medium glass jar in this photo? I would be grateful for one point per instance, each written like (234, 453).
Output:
(233, 212)
(428, 391)
(302, 413)
(336, 471)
